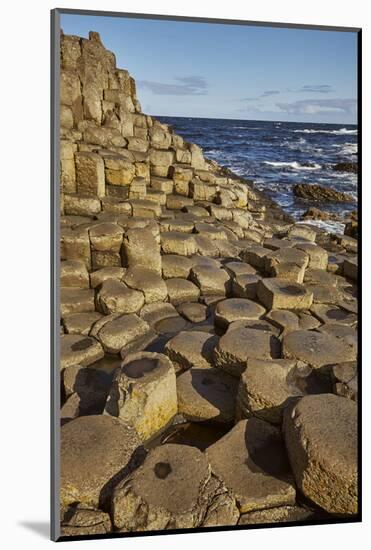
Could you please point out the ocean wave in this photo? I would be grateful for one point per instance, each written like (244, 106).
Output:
(331, 226)
(346, 148)
(342, 131)
(294, 165)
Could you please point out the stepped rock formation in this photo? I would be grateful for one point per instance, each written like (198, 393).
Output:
(190, 303)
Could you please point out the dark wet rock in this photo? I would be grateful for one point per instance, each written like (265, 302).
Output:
(319, 193)
(346, 167)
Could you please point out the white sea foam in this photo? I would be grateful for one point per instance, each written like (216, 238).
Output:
(294, 165)
(346, 148)
(342, 131)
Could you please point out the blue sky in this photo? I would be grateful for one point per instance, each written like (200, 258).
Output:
(232, 71)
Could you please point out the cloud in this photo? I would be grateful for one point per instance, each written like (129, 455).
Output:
(268, 93)
(316, 88)
(317, 106)
(189, 85)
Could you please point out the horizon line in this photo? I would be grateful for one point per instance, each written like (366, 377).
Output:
(259, 120)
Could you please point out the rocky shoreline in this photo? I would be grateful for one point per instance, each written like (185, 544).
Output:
(208, 342)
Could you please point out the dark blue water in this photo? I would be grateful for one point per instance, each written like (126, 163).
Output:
(277, 155)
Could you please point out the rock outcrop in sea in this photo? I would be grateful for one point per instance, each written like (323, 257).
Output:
(208, 343)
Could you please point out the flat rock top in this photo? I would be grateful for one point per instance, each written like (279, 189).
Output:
(172, 477)
(327, 427)
(93, 450)
(316, 348)
(252, 462)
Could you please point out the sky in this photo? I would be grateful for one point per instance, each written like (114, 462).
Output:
(232, 71)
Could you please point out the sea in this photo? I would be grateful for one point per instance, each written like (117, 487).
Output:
(277, 155)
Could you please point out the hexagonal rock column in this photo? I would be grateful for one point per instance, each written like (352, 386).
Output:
(207, 394)
(147, 281)
(192, 349)
(116, 297)
(169, 491)
(140, 248)
(240, 344)
(173, 242)
(181, 290)
(317, 349)
(212, 281)
(264, 390)
(96, 453)
(278, 293)
(236, 309)
(251, 461)
(121, 331)
(143, 393)
(79, 350)
(321, 438)
(106, 241)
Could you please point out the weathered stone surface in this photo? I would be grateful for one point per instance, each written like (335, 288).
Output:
(81, 520)
(100, 275)
(117, 297)
(252, 462)
(239, 268)
(193, 312)
(143, 393)
(245, 286)
(240, 344)
(81, 205)
(206, 394)
(148, 282)
(90, 385)
(74, 300)
(236, 309)
(181, 290)
(118, 333)
(345, 380)
(168, 491)
(291, 257)
(321, 438)
(192, 349)
(73, 273)
(75, 245)
(318, 257)
(281, 514)
(350, 268)
(90, 174)
(264, 390)
(286, 321)
(173, 242)
(332, 314)
(79, 350)
(316, 348)
(210, 280)
(278, 293)
(96, 452)
(80, 323)
(141, 249)
(106, 237)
